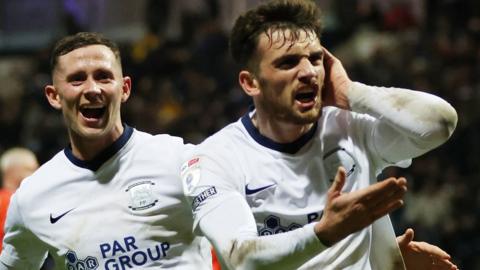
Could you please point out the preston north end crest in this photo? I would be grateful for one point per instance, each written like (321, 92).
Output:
(141, 195)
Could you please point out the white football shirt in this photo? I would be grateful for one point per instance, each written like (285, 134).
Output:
(123, 210)
(285, 187)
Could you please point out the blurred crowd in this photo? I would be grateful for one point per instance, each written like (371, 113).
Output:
(185, 84)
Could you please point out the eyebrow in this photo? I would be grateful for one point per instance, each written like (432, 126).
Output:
(294, 56)
(75, 75)
(318, 53)
(286, 57)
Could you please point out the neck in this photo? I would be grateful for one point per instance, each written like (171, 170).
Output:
(88, 148)
(277, 130)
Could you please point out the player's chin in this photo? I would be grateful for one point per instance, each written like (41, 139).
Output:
(92, 133)
(311, 114)
(92, 130)
(307, 118)
(311, 119)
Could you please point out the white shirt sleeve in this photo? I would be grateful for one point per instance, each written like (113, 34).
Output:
(411, 122)
(230, 227)
(21, 248)
(222, 214)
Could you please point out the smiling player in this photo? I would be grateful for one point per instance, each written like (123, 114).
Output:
(111, 199)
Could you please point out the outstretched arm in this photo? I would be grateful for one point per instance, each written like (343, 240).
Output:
(346, 213)
(231, 226)
(411, 122)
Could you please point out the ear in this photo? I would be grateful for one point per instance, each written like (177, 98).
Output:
(126, 88)
(53, 97)
(249, 83)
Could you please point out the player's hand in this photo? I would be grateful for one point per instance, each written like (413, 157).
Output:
(336, 83)
(423, 256)
(346, 213)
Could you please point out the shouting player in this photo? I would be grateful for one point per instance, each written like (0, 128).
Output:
(292, 184)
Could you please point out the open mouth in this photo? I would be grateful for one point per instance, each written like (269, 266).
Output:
(306, 97)
(93, 112)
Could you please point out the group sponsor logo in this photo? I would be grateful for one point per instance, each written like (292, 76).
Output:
(74, 263)
(119, 255)
(273, 224)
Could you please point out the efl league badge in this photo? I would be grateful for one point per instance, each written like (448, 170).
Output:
(190, 173)
(141, 195)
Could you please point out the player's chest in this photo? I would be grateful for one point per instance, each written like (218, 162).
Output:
(288, 193)
(303, 177)
(103, 225)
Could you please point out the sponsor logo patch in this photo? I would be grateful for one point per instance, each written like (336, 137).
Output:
(120, 254)
(203, 196)
(193, 161)
(75, 263)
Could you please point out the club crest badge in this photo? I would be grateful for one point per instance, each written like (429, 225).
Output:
(141, 195)
(339, 157)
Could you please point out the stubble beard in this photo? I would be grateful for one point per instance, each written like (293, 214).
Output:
(288, 114)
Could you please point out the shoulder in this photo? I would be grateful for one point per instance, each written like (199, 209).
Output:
(160, 149)
(165, 142)
(37, 185)
(58, 165)
(222, 151)
(333, 117)
(226, 139)
(333, 114)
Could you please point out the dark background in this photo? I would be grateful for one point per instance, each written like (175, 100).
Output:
(184, 83)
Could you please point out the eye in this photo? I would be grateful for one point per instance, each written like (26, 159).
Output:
(104, 76)
(77, 78)
(288, 62)
(316, 59)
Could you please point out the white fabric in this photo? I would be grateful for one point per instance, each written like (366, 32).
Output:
(130, 213)
(231, 159)
(291, 187)
(425, 120)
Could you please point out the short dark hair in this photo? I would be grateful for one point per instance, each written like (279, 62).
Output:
(296, 15)
(79, 40)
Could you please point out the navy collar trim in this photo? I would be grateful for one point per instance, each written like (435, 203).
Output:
(95, 163)
(289, 148)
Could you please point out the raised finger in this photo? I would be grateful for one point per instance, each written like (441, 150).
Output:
(377, 192)
(432, 250)
(382, 209)
(393, 196)
(443, 265)
(338, 183)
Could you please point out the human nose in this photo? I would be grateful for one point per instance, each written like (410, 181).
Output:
(92, 88)
(307, 71)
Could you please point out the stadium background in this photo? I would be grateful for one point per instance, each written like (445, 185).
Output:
(184, 82)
